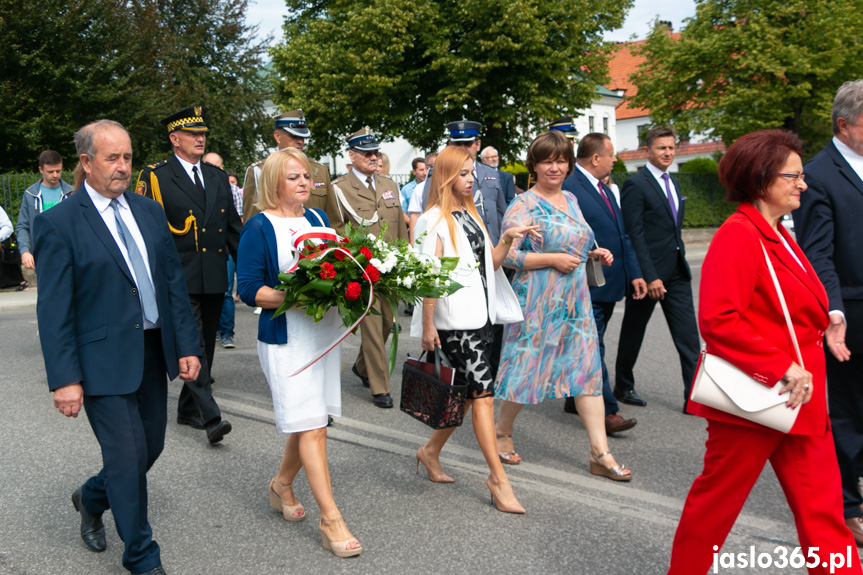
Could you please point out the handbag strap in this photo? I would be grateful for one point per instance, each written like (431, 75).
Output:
(439, 359)
(782, 303)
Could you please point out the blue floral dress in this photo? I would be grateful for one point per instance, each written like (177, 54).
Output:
(554, 353)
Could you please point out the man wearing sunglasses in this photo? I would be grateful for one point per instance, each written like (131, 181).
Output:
(366, 199)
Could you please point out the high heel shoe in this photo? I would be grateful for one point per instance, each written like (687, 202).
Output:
(349, 547)
(437, 476)
(514, 507)
(289, 512)
(615, 472)
(508, 457)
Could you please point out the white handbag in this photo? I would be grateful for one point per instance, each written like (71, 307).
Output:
(721, 385)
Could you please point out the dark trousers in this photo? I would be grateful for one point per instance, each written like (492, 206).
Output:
(602, 312)
(680, 316)
(226, 320)
(196, 398)
(845, 395)
(131, 433)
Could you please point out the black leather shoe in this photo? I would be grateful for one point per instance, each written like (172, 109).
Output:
(155, 571)
(569, 406)
(193, 422)
(217, 431)
(629, 397)
(382, 400)
(364, 380)
(92, 530)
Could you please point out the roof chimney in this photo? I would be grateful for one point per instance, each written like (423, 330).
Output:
(665, 24)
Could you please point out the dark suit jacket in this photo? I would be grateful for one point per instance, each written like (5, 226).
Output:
(610, 233)
(507, 184)
(89, 312)
(828, 227)
(655, 235)
(215, 233)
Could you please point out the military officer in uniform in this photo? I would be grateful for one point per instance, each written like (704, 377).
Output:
(291, 130)
(197, 200)
(364, 198)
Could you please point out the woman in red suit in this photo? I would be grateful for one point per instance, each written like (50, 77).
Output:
(741, 321)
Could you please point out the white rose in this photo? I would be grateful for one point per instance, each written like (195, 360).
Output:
(409, 282)
(435, 264)
(377, 263)
(446, 283)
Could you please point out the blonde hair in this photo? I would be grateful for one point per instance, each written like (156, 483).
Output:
(446, 169)
(273, 175)
(385, 165)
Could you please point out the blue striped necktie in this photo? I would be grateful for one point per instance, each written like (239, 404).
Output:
(145, 288)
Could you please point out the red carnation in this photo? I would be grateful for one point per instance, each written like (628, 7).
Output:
(353, 291)
(344, 240)
(366, 252)
(339, 254)
(328, 272)
(373, 273)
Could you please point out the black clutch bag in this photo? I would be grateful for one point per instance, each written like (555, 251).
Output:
(9, 253)
(429, 393)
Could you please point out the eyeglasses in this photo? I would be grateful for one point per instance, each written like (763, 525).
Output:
(796, 177)
(367, 154)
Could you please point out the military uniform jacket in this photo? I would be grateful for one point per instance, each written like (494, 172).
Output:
(322, 188)
(206, 229)
(352, 201)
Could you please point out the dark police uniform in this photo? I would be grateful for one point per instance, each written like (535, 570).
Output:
(206, 229)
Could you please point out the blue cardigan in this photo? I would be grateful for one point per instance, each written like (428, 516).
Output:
(258, 266)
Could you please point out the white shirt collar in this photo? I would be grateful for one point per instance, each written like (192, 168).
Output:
(363, 178)
(590, 177)
(854, 159)
(188, 167)
(657, 173)
(101, 202)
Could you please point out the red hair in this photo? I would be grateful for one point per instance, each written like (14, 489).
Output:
(752, 162)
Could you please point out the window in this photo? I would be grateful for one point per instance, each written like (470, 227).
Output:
(605, 126)
(590, 124)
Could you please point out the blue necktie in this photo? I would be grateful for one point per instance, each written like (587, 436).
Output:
(145, 288)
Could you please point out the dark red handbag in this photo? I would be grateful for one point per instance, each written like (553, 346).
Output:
(429, 393)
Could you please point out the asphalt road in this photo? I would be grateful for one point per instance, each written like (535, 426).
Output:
(209, 507)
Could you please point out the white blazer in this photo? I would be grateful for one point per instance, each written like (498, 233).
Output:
(467, 308)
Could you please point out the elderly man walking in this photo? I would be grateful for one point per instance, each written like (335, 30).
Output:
(114, 318)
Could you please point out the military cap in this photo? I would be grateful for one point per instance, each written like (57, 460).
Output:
(363, 141)
(463, 131)
(294, 123)
(188, 119)
(565, 125)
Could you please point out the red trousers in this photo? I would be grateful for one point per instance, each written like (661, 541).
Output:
(807, 470)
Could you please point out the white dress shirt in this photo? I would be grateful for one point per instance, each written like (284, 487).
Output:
(103, 205)
(415, 206)
(6, 228)
(657, 173)
(363, 179)
(854, 159)
(188, 167)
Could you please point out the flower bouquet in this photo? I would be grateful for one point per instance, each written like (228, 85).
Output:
(354, 271)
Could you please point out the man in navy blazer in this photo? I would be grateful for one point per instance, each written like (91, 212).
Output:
(653, 214)
(114, 317)
(829, 230)
(593, 162)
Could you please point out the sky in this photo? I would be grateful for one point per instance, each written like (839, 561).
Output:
(268, 15)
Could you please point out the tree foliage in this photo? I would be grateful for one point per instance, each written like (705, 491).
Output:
(407, 67)
(744, 65)
(133, 61)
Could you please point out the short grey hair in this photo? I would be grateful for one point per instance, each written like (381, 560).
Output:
(85, 138)
(487, 148)
(848, 103)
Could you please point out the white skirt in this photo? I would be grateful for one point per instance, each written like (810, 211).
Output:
(304, 401)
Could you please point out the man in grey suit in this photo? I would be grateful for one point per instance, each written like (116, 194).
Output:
(491, 158)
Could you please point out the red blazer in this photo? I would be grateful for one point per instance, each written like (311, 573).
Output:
(741, 320)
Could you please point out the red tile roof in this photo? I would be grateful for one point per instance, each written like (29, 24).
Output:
(684, 149)
(622, 65)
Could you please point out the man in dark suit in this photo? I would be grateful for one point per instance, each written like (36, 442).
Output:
(593, 162)
(490, 158)
(200, 208)
(652, 209)
(116, 318)
(829, 230)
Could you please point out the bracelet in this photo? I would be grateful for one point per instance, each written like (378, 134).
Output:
(429, 304)
(508, 242)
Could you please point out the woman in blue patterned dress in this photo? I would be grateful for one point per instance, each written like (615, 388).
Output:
(554, 353)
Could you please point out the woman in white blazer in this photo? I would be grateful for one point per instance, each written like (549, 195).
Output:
(460, 324)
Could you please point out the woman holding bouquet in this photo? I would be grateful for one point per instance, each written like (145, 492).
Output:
(554, 352)
(460, 324)
(301, 402)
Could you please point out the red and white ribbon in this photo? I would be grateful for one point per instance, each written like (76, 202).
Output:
(317, 236)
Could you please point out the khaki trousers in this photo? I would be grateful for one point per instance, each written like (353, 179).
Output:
(372, 361)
